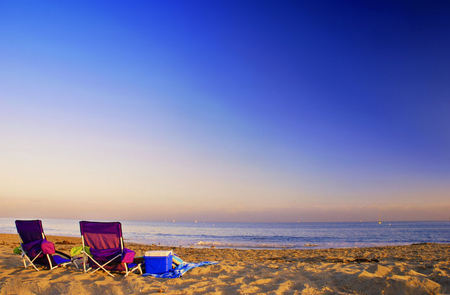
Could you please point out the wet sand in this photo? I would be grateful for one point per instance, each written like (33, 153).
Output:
(412, 269)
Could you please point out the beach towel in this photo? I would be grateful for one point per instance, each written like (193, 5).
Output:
(179, 270)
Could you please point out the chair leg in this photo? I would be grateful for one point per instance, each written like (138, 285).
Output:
(84, 261)
(138, 267)
(128, 271)
(31, 263)
(74, 261)
(25, 257)
(50, 263)
(103, 266)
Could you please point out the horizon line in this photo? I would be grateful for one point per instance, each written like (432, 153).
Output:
(199, 221)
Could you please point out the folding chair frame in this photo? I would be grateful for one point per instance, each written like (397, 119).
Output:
(25, 257)
(86, 257)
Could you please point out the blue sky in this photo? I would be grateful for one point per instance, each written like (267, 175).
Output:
(246, 110)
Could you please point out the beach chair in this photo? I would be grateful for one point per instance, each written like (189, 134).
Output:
(103, 248)
(35, 248)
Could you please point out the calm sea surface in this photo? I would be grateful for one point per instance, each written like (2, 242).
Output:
(263, 235)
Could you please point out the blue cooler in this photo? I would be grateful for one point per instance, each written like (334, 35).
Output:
(158, 261)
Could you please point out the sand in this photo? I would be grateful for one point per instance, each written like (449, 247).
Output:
(413, 269)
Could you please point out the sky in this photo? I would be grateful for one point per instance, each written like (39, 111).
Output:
(251, 111)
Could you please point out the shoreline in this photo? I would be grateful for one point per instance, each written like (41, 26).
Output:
(415, 269)
(236, 246)
(269, 236)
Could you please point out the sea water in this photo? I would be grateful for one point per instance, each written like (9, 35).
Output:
(263, 235)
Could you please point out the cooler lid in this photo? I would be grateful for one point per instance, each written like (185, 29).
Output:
(158, 253)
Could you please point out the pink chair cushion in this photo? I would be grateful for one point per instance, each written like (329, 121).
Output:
(128, 255)
(47, 247)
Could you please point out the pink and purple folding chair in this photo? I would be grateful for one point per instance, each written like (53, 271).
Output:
(36, 250)
(107, 251)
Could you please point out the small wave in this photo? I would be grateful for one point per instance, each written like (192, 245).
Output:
(244, 245)
(310, 245)
(251, 238)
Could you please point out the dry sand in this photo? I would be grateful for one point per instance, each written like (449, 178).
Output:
(414, 269)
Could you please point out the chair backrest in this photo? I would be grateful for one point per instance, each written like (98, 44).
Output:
(102, 235)
(30, 230)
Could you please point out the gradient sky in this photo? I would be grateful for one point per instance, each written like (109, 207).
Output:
(225, 110)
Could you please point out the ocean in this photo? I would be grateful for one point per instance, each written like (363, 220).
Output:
(304, 235)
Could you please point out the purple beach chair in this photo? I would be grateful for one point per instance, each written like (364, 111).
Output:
(107, 251)
(36, 250)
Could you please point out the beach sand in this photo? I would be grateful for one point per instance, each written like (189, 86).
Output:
(413, 269)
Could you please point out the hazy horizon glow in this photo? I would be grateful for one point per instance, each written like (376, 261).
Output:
(225, 111)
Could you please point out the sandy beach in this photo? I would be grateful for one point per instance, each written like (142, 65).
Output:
(413, 269)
